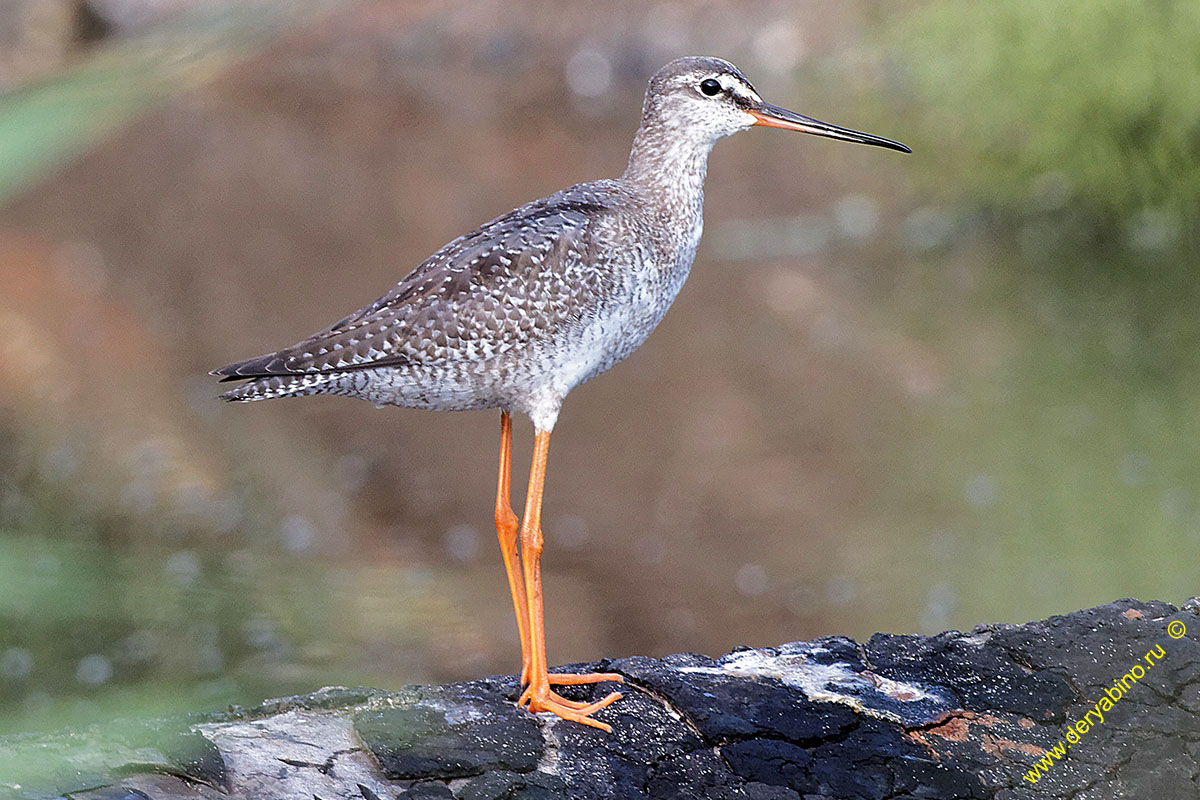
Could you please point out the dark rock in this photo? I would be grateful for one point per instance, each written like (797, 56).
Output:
(978, 670)
(770, 761)
(117, 793)
(497, 785)
(701, 773)
(193, 756)
(427, 790)
(959, 715)
(446, 732)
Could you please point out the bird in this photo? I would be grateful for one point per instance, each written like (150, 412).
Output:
(521, 310)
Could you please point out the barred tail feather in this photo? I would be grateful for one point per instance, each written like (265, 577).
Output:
(268, 387)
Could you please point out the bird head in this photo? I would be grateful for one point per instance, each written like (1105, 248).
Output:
(707, 98)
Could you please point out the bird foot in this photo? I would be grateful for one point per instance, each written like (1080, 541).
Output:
(569, 679)
(540, 698)
(576, 679)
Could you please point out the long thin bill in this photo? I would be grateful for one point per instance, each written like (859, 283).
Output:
(770, 116)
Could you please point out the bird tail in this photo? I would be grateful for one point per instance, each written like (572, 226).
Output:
(271, 386)
(266, 377)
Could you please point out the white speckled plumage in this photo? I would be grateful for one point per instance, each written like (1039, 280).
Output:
(521, 310)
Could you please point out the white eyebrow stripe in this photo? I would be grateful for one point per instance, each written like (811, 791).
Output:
(745, 93)
(737, 87)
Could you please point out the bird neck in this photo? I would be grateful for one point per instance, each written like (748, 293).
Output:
(669, 167)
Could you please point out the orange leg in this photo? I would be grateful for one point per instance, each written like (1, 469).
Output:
(538, 694)
(507, 530)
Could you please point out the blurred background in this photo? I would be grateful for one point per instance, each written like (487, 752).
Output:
(898, 393)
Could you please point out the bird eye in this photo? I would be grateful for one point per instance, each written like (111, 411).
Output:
(710, 86)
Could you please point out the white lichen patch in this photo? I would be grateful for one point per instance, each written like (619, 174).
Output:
(826, 683)
(457, 713)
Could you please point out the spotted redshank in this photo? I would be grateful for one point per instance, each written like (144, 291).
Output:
(521, 310)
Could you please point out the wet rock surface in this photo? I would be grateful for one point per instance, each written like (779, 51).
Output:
(958, 715)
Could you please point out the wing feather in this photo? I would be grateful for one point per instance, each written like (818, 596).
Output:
(471, 290)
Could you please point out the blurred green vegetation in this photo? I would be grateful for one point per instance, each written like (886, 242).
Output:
(1083, 108)
(1063, 167)
(45, 125)
(103, 615)
(1059, 466)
